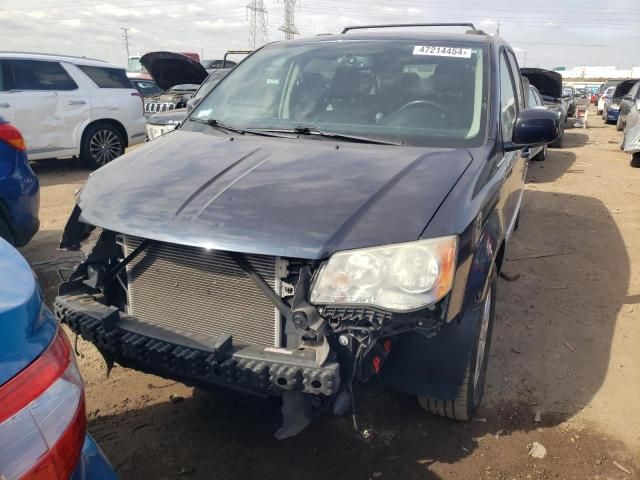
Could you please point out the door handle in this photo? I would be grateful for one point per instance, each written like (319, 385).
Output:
(77, 102)
(5, 105)
(526, 152)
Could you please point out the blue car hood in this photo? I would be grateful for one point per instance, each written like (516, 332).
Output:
(26, 326)
(299, 198)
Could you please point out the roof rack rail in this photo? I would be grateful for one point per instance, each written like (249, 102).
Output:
(394, 25)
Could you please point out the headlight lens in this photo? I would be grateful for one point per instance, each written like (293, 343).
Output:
(154, 131)
(401, 277)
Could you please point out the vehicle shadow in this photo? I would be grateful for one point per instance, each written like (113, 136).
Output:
(550, 353)
(574, 139)
(59, 171)
(556, 164)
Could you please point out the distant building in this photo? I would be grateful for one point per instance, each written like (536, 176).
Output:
(600, 72)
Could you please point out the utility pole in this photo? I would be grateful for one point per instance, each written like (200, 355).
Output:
(289, 27)
(125, 39)
(498, 30)
(525, 58)
(257, 16)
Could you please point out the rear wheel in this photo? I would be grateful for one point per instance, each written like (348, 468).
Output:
(101, 144)
(470, 392)
(5, 232)
(635, 160)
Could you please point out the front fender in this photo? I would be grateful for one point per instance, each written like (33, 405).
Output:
(435, 366)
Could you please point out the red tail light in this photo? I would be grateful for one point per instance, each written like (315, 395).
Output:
(12, 136)
(42, 417)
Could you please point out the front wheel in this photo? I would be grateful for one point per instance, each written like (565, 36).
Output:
(471, 391)
(541, 156)
(101, 144)
(558, 141)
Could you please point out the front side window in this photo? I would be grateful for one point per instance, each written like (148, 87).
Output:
(399, 91)
(508, 108)
(39, 75)
(533, 100)
(105, 77)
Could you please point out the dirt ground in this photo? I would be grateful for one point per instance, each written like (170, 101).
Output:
(566, 345)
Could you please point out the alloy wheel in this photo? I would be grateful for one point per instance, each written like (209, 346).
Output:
(105, 146)
(482, 339)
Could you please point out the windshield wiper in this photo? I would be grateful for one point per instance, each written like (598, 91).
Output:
(226, 128)
(313, 130)
(217, 124)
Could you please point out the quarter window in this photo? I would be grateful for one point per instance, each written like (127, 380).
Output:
(105, 77)
(39, 75)
(508, 108)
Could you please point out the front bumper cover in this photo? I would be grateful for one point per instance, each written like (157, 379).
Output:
(191, 358)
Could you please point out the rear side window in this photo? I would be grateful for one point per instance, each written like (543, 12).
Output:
(105, 77)
(37, 75)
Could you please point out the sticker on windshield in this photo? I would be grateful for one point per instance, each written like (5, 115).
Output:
(273, 81)
(442, 51)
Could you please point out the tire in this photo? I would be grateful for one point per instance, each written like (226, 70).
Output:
(470, 392)
(598, 112)
(101, 143)
(635, 160)
(540, 157)
(6, 233)
(558, 142)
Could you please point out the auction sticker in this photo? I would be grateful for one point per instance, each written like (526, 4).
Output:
(442, 51)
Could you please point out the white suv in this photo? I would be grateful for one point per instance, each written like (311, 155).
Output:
(68, 106)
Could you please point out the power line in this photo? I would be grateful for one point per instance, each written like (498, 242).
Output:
(125, 39)
(257, 16)
(289, 27)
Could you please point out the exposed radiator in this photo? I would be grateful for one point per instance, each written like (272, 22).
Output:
(202, 291)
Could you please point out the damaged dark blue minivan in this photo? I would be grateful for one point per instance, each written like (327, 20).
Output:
(336, 209)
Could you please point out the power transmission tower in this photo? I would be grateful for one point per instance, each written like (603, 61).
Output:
(289, 27)
(125, 39)
(257, 15)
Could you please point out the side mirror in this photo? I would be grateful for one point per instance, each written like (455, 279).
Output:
(534, 128)
(628, 97)
(192, 103)
(638, 104)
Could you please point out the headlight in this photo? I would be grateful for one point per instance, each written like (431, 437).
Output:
(400, 277)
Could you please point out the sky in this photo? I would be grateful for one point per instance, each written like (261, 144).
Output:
(544, 33)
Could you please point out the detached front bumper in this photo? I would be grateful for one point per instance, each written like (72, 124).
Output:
(192, 358)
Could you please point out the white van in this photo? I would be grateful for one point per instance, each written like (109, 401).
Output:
(70, 106)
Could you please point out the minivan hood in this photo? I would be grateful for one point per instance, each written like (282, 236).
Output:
(300, 198)
(169, 69)
(25, 327)
(548, 82)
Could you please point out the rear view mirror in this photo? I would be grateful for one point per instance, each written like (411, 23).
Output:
(534, 128)
(192, 103)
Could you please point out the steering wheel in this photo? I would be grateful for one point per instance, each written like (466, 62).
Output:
(426, 104)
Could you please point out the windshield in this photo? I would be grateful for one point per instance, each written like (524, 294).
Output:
(211, 81)
(398, 91)
(147, 87)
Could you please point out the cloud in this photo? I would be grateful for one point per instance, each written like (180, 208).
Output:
(71, 22)
(488, 22)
